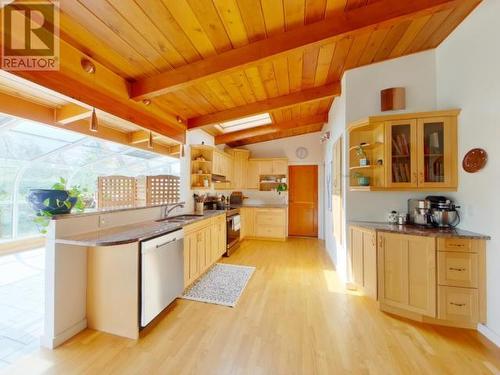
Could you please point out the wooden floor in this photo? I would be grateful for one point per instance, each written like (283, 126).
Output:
(293, 318)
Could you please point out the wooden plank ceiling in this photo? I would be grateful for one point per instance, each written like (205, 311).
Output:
(200, 61)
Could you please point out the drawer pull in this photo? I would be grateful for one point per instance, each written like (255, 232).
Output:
(457, 304)
(457, 269)
(456, 245)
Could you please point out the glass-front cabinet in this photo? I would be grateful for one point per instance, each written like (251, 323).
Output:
(411, 151)
(437, 140)
(401, 153)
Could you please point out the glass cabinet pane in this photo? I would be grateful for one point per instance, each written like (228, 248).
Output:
(433, 152)
(401, 153)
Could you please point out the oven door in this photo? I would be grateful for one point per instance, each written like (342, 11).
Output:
(233, 231)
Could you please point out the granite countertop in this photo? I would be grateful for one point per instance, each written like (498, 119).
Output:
(417, 230)
(100, 211)
(132, 232)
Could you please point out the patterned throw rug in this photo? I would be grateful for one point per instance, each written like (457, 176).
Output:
(223, 284)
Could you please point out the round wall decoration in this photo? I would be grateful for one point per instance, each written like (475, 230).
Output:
(301, 152)
(475, 160)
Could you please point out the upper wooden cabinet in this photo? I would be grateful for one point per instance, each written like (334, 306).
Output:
(240, 168)
(415, 151)
(207, 161)
(273, 168)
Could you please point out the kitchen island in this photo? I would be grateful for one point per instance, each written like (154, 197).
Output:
(434, 275)
(89, 255)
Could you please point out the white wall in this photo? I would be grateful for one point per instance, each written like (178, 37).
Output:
(336, 127)
(468, 77)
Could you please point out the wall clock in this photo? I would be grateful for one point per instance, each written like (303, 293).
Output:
(301, 152)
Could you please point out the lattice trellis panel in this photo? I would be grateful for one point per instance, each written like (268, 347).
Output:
(116, 191)
(154, 190)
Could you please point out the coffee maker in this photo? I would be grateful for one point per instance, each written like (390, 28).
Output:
(419, 212)
(444, 211)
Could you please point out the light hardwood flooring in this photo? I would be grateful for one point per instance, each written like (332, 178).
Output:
(293, 318)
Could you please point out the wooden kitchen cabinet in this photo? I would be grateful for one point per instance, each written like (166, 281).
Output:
(407, 272)
(266, 167)
(280, 166)
(240, 168)
(413, 151)
(401, 154)
(264, 223)
(253, 174)
(204, 244)
(363, 259)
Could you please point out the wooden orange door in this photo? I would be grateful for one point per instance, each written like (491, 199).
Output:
(303, 200)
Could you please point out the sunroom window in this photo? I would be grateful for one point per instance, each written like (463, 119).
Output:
(34, 155)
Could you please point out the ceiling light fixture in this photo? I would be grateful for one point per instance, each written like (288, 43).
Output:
(94, 124)
(179, 120)
(146, 101)
(88, 66)
(150, 140)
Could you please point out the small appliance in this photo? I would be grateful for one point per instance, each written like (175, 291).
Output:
(444, 212)
(419, 212)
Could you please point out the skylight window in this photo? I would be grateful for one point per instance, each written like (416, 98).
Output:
(244, 123)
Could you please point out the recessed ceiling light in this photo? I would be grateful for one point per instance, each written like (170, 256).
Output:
(244, 123)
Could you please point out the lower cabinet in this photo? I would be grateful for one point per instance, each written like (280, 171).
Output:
(363, 260)
(407, 272)
(264, 223)
(204, 244)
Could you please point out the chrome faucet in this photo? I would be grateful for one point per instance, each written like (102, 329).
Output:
(169, 209)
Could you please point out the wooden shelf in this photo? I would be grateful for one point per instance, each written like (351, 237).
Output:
(366, 146)
(371, 166)
(201, 161)
(201, 174)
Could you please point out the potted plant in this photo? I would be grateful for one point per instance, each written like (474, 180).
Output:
(362, 180)
(282, 187)
(360, 152)
(55, 201)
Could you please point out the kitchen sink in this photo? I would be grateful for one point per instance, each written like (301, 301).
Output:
(179, 218)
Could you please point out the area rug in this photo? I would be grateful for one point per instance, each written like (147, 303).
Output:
(223, 285)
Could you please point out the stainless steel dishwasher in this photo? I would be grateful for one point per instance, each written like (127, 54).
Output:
(162, 274)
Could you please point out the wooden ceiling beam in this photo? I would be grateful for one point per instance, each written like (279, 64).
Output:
(381, 13)
(140, 136)
(270, 129)
(72, 112)
(104, 90)
(272, 104)
(307, 129)
(22, 108)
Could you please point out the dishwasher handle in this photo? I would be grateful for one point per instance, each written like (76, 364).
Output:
(165, 243)
(161, 241)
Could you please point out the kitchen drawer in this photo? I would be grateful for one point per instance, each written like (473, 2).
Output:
(457, 244)
(270, 218)
(458, 304)
(458, 269)
(197, 226)
(270, 231)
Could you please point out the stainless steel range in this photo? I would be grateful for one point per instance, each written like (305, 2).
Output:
(233, 226)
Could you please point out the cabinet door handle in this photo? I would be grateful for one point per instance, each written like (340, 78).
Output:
(421, 180)
(457, 304)
(415, 176)
(457, 269)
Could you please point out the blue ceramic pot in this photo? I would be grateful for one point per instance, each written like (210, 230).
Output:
(364, 181)
(38, 197)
